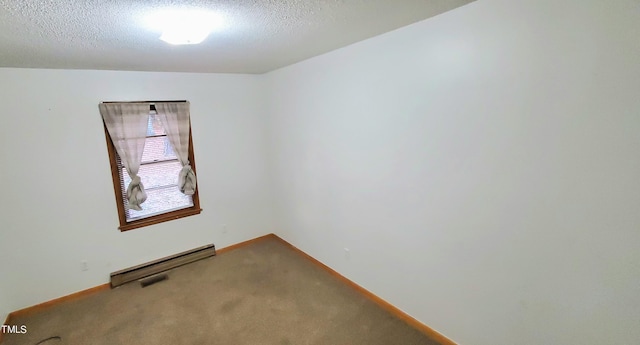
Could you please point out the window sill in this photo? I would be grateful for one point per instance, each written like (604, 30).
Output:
(160, 219)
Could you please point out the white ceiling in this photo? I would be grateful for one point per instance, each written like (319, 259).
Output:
(259, 35)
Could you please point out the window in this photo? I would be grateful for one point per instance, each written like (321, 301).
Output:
(158, 172)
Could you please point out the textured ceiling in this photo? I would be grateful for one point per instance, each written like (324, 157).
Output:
(259, 35)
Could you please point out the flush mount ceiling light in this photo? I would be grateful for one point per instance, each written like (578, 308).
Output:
(184, 26)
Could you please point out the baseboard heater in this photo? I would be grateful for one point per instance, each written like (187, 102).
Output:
(154, 267)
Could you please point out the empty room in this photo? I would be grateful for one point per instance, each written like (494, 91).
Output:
(320, 172)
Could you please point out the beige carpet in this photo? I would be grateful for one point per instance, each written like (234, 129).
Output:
(263, 293)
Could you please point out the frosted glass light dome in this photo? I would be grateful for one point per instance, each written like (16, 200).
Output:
(184, 26)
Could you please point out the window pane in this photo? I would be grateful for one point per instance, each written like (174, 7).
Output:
(160, 183)
(161, 201)
(154, 126)
(159, 174)
(157, 149)
(156, 175)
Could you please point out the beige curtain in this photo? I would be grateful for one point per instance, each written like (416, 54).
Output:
(127, 126)
(175, 119)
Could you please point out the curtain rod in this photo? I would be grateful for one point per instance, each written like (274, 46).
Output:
(179, 101)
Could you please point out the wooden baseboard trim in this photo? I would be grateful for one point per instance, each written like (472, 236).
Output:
(245, 243)
(428, 331)
(72, 297)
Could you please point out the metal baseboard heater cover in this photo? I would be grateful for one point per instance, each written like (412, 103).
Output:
(154, 267)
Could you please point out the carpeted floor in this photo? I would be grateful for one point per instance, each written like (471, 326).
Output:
(264, 293)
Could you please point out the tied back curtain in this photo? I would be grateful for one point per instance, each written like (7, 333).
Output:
(175, 119)
(127, 126)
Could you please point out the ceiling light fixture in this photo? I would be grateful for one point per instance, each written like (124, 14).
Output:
(184, 26)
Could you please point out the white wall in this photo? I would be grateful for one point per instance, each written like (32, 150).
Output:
(4, 309)
(482, 167)
(58, 206)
